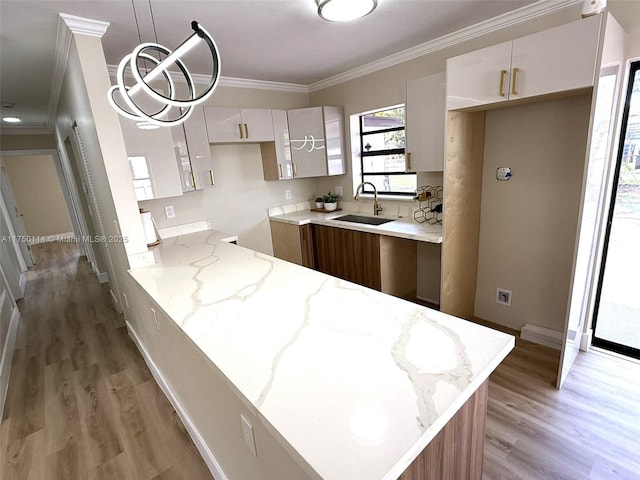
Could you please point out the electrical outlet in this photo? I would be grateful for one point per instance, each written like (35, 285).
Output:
(126, 300)
(247, 433)
(155, 318)
(503, 297)
(339, 190)
(287, 194)
(169, 211)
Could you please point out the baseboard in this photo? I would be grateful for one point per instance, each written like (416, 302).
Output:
(205, 452)
(542, 335)
(7, 356)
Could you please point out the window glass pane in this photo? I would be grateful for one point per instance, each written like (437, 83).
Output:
(393, 183)
(383, 141)
(384, 163)
(139, 167)
(390, 118)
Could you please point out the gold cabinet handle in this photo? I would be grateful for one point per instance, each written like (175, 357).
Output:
(408, 161)
(193, 179)
(281, 170)
(295, 170)
(213, 179)
(246, 131)
(514, 80)
(241, 132)
(503, 74)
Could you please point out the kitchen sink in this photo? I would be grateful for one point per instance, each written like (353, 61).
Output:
(363, 219)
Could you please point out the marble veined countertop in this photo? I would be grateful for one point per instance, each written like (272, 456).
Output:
(355, 381)
(403, 224)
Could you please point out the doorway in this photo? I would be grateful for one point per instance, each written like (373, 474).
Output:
(617, 311)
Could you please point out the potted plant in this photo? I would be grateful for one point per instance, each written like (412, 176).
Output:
(319, 203)
(330, 201)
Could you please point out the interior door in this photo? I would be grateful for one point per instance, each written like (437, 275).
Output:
(15, 217)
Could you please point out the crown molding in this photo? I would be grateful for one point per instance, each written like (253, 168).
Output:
(85, 26)
(538, 9)
(233, 82)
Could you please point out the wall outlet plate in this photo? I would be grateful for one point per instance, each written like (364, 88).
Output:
(287, 194)
(339, 190)
(503, 173)
(503, 297)
(247, 433)
(169, 211)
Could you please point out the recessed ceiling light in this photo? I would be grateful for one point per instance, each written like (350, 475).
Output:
(11, 119)
(345, 10)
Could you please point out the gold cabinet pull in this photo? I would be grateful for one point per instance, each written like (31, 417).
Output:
(246, 131)
(514, 80)
(241, 132)
(503, 74)
(193, 180)
(281, 170)
(213, 179)
(408, 161)
(295, 170)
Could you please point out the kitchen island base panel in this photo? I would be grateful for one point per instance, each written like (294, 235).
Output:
(457, 452)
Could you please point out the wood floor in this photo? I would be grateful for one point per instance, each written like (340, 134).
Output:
(83, 405)
(81, 402)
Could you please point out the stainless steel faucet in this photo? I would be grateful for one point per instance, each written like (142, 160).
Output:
(377, 207)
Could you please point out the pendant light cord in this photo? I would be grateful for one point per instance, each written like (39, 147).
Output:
(153, 22)
(136, 18)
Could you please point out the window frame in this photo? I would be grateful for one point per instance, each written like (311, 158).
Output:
(376, 153)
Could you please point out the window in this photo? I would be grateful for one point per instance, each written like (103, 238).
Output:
(141, 178)
(382, 143)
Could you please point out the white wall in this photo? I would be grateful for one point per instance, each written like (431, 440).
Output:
(36, 188)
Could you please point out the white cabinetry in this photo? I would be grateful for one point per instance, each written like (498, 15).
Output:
(276, 155)
(192, 152)
(233, 125)
(426, 118)
(151, 161)
(559, 59)
(317, 141)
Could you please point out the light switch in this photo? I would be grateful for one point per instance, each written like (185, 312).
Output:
(169, 212)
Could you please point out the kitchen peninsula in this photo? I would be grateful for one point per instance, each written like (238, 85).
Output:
(283, 372)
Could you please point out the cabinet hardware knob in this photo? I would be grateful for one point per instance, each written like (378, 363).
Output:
(241, 132)
(295, 170)
(213, 179)
(503, 74)
(281, 170)
(193, 179)
(514, 81)
(408, 161)
(246, 131)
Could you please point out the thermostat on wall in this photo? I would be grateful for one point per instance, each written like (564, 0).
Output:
(503, 173)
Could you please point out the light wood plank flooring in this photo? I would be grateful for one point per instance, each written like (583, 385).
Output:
(82, 403)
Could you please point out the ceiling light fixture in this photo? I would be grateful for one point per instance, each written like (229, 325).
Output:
(11, 119)
(174, 110)
(345, 10)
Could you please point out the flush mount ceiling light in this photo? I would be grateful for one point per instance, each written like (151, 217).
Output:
(127, 99)
(11, 119)
(345, 10)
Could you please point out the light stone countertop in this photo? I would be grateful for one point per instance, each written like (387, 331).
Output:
(355, 381)
(403, 224)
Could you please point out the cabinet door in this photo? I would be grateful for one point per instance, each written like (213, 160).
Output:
(151, 160)
(224, 125)
(283, 162)
(183, 161)
(258, 125)
(334, 136)
(306, 135)
(425, 123)
(195, 129)
(476, 78)
(555, 60)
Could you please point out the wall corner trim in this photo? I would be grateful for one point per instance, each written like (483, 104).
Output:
(207, 455)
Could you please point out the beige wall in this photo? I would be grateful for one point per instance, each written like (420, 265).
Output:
(27, 142)
(36, 188)
(528, 224)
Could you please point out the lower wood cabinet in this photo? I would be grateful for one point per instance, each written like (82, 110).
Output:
(381, 262)
(293, 243)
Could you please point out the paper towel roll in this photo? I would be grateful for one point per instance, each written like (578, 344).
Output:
(149, 228)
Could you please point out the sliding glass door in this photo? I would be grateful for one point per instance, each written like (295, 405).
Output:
(617, 312)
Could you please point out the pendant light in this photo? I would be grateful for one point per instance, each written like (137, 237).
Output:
(175, 110)
(345, 10)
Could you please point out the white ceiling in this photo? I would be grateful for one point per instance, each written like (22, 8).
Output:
(270, 40)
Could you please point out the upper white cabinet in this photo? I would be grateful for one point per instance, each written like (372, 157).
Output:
(317, 141)
(425, 122)
(559, 59)
(276, 155)
(232, 125)
(151, 161)
(192, 152)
